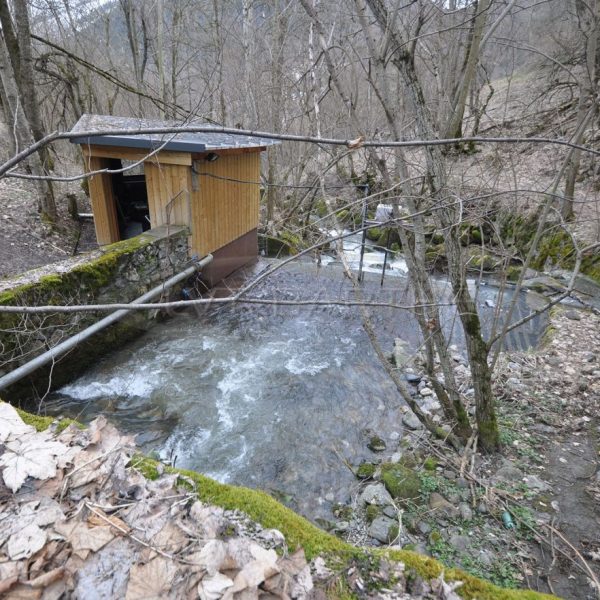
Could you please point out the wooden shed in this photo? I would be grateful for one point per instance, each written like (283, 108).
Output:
(205, 181)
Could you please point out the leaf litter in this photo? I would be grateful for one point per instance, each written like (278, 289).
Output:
(77, 520)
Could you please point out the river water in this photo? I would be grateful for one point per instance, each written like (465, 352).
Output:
(275, 397)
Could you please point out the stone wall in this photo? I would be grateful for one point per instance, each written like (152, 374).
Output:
(120, 273)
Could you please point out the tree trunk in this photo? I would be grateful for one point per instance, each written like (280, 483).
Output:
(448, 221)
(588, 16)
(454, 127)
(18, 46)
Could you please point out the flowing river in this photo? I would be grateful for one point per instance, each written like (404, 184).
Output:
(275, 397)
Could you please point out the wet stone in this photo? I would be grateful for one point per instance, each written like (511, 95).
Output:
(508, 472)
(482, 508)
(535, 483)
(376, 444)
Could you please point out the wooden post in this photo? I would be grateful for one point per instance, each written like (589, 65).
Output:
(104, 205)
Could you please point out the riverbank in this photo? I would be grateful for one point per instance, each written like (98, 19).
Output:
(89, 513)
(527, 517)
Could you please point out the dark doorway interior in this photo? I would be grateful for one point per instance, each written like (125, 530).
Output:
(131, 197)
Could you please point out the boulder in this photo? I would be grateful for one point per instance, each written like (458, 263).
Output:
(400, 481)
(383, 529)
(411, 420)
(375, 494)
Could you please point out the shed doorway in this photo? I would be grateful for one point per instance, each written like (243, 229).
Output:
(131, 199)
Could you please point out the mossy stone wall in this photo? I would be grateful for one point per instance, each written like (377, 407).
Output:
(119, 273)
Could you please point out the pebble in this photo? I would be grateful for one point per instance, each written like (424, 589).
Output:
(462, 483)
(573, 315)
(465, 511)
(411, 421)
(482, 508)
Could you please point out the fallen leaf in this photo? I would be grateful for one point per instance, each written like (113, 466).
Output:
(83, 538)
(212, 557)
(26, 542)
(44, 580)
(214, 586)
(9, 574)
(22, 592)
(11, 424)
(99, 518)
(30, 455)
(152, 581)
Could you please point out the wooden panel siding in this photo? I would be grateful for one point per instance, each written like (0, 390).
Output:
(166, 157)
(222, 209)
(103, 202)
(168, 188)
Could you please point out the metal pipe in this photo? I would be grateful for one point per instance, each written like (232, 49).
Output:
(72, 342)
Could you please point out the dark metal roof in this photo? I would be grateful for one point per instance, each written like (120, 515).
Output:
(179, 142)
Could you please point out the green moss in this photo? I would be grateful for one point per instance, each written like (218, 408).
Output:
(90, 275)
(299, 532)
(513, 273)
(374, 233)
(293, 241)
(430, 463)
(400, 481)
(365, 470)
(376, 444)
(343, 512)
(483, 261)
(42, 423)
(372, 512)
(320, 207)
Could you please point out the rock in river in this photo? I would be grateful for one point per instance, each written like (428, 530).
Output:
(376, 444)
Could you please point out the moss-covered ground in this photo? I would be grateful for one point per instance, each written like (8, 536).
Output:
(265, 510)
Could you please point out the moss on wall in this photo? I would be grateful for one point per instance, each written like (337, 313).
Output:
(117, 273)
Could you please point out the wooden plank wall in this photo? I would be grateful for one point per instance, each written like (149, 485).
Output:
(103, 202)
(222, 210)
(168, 188)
